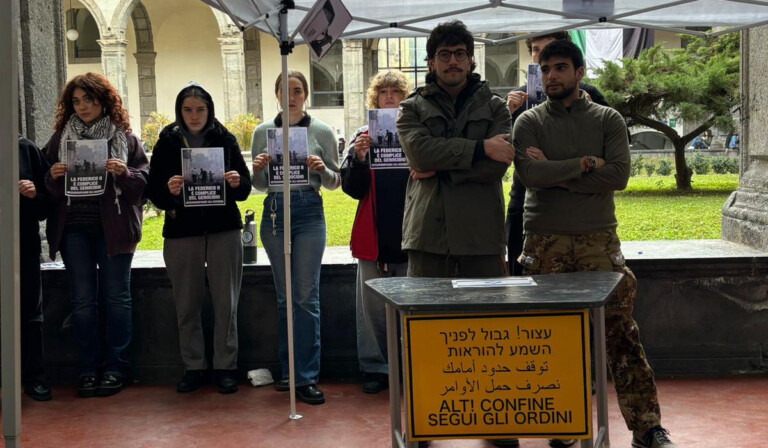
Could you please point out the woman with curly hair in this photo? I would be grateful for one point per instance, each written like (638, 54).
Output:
(97, 235)
(377, 230)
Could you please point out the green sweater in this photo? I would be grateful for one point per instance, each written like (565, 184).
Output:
(321, 142)
(560, 199)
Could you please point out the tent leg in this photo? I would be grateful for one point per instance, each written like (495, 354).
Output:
(9, 224)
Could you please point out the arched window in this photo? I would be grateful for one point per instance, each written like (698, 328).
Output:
(86, 49)
(501, 65)
(327, 79)
(405, 54)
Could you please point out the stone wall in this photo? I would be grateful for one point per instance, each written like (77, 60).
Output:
(41, 67)
(701, 308)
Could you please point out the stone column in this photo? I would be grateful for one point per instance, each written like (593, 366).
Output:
(480, 59)
(745, 213)
(41, 68)
(233, 62)
(354, 85)
(113, 63)
(253, 80)
(145, 62)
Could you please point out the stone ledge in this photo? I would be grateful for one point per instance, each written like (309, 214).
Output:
(701, 308)
(634, 251)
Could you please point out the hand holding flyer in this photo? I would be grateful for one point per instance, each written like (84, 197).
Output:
(58, 169)
(174, 185)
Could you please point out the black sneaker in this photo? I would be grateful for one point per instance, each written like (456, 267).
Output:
(310, 394)
(282, 385)
(561, 443)
(505, 442)
(655, 437)
(38, 391)
(111, 383)
(226, 382)
(86, 386)
(375, 383)
(191, 381)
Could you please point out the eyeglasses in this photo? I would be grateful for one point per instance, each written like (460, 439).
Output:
(445, 55)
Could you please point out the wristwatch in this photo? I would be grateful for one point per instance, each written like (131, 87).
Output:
(591, 163)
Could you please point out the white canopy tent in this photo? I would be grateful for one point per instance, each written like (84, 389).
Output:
(394, 18)
(529, 17)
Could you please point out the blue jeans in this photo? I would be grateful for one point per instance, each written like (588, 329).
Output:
(307, 247)
(82, 254)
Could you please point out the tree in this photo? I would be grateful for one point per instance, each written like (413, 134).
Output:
(698, 83)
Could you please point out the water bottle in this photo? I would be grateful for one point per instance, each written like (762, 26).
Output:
(249, 238)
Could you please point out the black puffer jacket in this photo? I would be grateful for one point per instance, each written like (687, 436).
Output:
(180, 221)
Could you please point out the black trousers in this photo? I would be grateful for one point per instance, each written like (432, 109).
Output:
(514, 226)
(31, 313)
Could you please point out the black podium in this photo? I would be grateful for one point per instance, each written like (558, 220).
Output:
(454, 334)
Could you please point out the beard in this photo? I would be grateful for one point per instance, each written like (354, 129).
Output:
(565, 93)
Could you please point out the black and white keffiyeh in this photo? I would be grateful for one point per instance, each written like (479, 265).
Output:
(103, 129)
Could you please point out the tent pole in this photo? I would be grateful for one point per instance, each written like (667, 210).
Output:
(285, 50)
(9, 224)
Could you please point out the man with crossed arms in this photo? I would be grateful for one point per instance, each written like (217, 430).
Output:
(571, 155)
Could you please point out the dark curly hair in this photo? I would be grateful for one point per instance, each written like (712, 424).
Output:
(564, 49)
(98, 87)
(449, 34)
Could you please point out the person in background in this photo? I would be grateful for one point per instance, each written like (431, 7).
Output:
(201, 242)
(377, 230)
(33, 207)
(97, 235)
(733, 143)
(307, 235)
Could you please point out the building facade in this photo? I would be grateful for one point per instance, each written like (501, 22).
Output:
(149, 49)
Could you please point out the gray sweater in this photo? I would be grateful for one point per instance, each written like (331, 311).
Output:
(560, 199)
(321, 142)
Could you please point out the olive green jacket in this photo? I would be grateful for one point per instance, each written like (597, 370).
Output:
(460, 210)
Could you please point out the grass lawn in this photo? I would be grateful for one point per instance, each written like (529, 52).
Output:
(649, 209)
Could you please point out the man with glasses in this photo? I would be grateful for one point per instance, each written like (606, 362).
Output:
(454, 134)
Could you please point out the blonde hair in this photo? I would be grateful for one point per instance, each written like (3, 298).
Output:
(387, 78)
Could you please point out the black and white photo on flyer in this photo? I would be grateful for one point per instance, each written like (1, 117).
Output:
(203, 171)
(86, 168)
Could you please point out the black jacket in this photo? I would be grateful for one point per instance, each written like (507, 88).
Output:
(390, 187)
(32, 166)
(180, 221)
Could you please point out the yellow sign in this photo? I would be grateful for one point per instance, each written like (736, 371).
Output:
(498, 375)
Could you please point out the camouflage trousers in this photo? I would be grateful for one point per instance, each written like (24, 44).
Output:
(632, 376)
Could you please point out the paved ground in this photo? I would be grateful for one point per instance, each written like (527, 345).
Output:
(713, 413)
